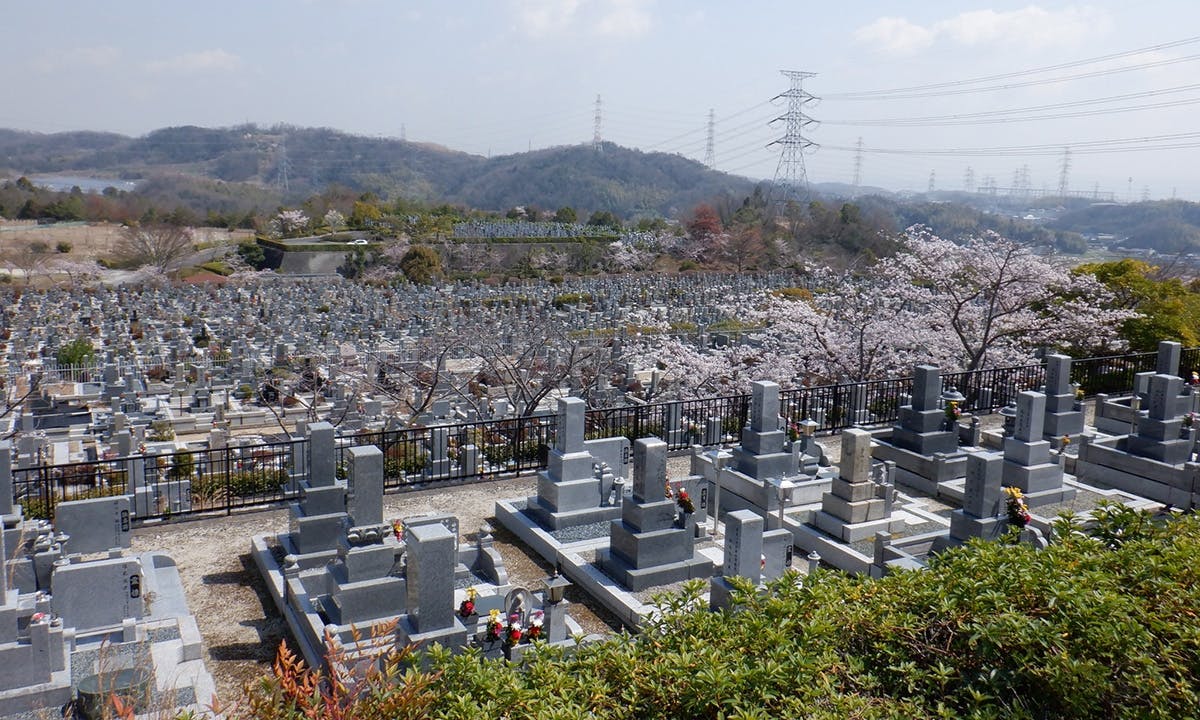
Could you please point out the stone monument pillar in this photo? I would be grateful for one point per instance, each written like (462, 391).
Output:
(569, 492)
(982, 513)
(430, 580)
(1027, 463)
(743, 556)
(1061, 417)
(856, 507)
(654, 542)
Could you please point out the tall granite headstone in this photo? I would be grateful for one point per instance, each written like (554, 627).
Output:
(856, 507)
(1027, 462)
(654, 541)
(570, 492)
(1061, 417)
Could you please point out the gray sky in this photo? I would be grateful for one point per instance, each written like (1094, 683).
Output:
(503, 76)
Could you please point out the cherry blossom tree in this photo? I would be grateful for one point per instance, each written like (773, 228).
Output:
(998, 301)
(289, 222)
(989, 302)
(626, 256)
(77, 271)
(334, 220)
(159, 245)
(693, 372)
(855, 328)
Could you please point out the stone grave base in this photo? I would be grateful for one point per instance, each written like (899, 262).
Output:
(453, 637)
(638, 579)
(834, 552)
(1102, 464)
(45, 698)
(1114, 416)
(1049, 497)
(306, 561)
(853, 532)
(964, 525)
(559, 519)
(575, 562)
(923, 473)
(742, 492)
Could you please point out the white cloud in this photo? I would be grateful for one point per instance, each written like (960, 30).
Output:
(1030, 27)
(196, 62)
(99, 56)
(624, 18)
(895, 36)
(540, 18)
(605, 18)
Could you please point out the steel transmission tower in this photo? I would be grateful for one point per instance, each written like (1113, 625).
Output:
(858, 162)
(710, 147)
(596, 127)
(969, 179)
(1064, 173)
(282, 169)
(791, 180)
(932, 180)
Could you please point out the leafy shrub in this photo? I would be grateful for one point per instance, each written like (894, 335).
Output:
(75, 353)
(404, 458)
(573, 298)
(161, 431)
(218, 267)
(793, 293)
(183, 466)
(63, 247)
(498, 454)
(218, 486)
(252, 254)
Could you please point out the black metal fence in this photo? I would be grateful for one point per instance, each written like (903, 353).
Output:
(225, 479)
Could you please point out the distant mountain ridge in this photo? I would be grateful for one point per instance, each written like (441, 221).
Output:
(308, 160)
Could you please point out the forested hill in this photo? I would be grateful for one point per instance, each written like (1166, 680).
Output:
(308, 160)
(1165, 226)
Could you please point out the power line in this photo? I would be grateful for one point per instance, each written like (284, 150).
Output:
(1029, 83)
(864, 94)
(989, 117)
(1089, 147)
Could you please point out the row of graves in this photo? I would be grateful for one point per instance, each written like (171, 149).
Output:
(82, 619)
(352, 585)
(183, 360)
(897, 496)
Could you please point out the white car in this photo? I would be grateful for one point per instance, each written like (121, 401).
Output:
(358, 241)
